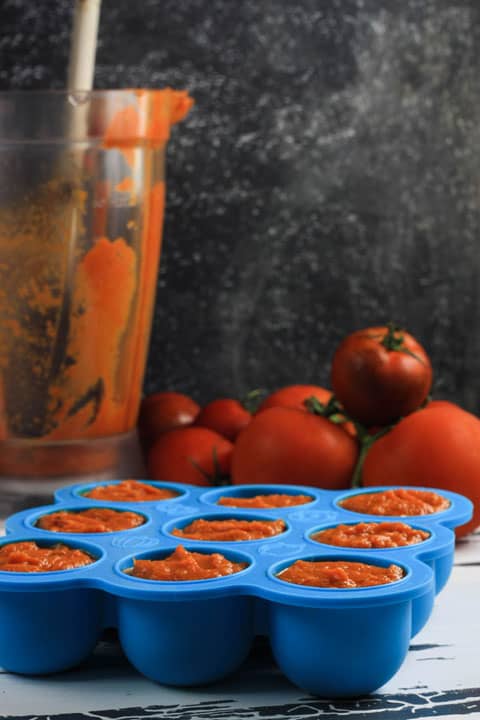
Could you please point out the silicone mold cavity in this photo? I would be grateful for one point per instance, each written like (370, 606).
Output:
(247, 491)
(331, 642)
(416, 526)
(32, 520)
(80, 491)
(232, 555)
(224, 514)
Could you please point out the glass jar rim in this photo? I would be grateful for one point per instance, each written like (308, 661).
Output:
(120, 117)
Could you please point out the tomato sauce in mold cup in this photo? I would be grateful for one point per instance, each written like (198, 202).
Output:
(90, 520)
(129, 492)
(371, 535)
(164, 626)
(228, 527)
(299, 495)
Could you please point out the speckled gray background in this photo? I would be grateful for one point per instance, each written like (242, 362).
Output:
(328, 178)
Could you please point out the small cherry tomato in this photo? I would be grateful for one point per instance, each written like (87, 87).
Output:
(436, 447)
(227, 417)
(285, 446)
(380, 374)
(165, 411)
(192, 455)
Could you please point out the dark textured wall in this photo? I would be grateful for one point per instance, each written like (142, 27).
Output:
(328, 178)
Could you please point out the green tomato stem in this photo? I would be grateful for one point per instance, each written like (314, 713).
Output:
(333, 411)
(394, 339)
(366, 441)
(252, 401)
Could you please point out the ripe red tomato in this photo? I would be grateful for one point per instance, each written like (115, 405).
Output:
(380, 374)
(437, 447)
(286, 446)
(190, 455)
(165, 411)
(225, 416)
(294, 396)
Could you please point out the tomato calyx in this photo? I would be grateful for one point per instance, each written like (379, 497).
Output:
(217, 478)
(394, 341)
(332, 410)
(394, 338)
(252, 401)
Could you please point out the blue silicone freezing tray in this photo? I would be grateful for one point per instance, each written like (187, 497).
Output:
(333, 642)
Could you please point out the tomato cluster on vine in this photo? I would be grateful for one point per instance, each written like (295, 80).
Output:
(377, 426)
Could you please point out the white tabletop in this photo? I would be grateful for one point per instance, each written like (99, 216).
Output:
(440, 677)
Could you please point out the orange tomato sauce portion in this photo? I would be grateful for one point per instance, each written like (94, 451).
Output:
(339, 574)
(273, 500)
(230, 530)
(93, 520)
(28, 557)
(185, 565)
(371, 535)
(400, 502)
(130, 490)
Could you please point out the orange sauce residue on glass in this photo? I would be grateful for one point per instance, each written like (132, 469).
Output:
(371, 535)
(28, 557)
(185, 565)
(130, 490)
(105, 286)
(125, 185)
(92, 520)
(273, 500)
(76, 303)
(142, 317)
(401, 502)
(339, 574)
(159, 110)
(230, 530)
